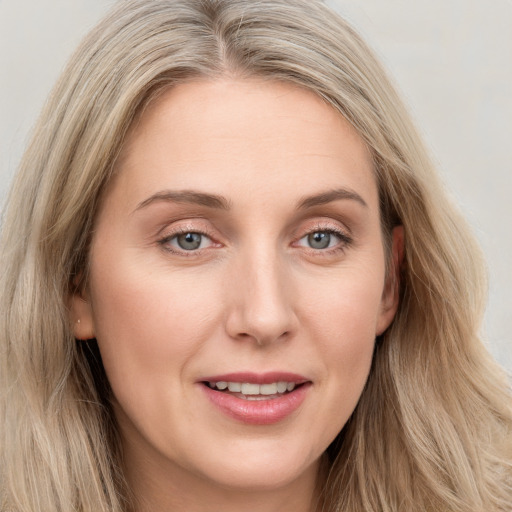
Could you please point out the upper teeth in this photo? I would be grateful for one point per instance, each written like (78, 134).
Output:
(247, 388)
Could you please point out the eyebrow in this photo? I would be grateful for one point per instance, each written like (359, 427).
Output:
(221, 203)
(329, 197)
(186, 196)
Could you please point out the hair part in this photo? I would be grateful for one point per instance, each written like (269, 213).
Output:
(433, 428)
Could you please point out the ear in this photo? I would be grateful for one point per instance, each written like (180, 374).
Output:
(80, 315)
(391, 293)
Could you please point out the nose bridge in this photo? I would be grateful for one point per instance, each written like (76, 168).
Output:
(262, 307)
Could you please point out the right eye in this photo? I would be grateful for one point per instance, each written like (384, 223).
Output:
(188, 241)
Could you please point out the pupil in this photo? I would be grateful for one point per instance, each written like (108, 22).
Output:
(189, 241)
(319, 240)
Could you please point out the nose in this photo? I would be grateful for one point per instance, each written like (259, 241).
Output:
(261, 301)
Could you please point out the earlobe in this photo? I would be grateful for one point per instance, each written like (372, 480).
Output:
(81, 317)
(391, 293)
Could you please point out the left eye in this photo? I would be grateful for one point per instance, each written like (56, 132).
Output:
(320, 240)
(189, 241)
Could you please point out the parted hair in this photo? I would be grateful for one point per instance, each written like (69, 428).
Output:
(433, 428)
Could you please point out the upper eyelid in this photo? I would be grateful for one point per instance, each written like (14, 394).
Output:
(332, 231)
(343, 236)
(192, 225)
(175, 234)
(175, 228)
(203, 226)
(178, 232)
(325, 224)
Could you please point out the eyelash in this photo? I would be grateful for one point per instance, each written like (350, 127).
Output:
(165, 241)
(344, 241)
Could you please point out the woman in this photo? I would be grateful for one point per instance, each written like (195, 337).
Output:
(231, 281)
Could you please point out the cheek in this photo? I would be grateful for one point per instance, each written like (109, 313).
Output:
(148, 323)
(346, 306)
(343, 321)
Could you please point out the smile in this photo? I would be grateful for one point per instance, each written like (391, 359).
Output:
(252, 391)
(257, 399)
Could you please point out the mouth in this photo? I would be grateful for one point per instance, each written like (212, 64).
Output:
(254, 391)
(258, 399)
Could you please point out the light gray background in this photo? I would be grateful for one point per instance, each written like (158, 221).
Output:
(451, 59)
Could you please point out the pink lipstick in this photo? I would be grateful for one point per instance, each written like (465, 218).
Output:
(257, 399)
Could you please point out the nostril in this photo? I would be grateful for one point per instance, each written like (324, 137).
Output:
(261, 320)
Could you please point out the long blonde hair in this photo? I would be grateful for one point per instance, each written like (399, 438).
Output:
(433, 428)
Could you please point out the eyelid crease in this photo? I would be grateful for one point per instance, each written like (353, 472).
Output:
(326, 223)
(189, 224)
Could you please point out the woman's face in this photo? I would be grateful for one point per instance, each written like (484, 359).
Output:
(239, 245)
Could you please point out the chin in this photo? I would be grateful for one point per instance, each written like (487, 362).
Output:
(269, 468)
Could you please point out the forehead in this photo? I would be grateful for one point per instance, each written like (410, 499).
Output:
(210, 134)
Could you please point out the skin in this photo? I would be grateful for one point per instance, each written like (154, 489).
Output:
(255, 296)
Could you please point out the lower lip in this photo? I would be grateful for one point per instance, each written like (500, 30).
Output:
(258, 412)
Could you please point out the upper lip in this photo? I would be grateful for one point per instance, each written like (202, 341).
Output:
(256, 378)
